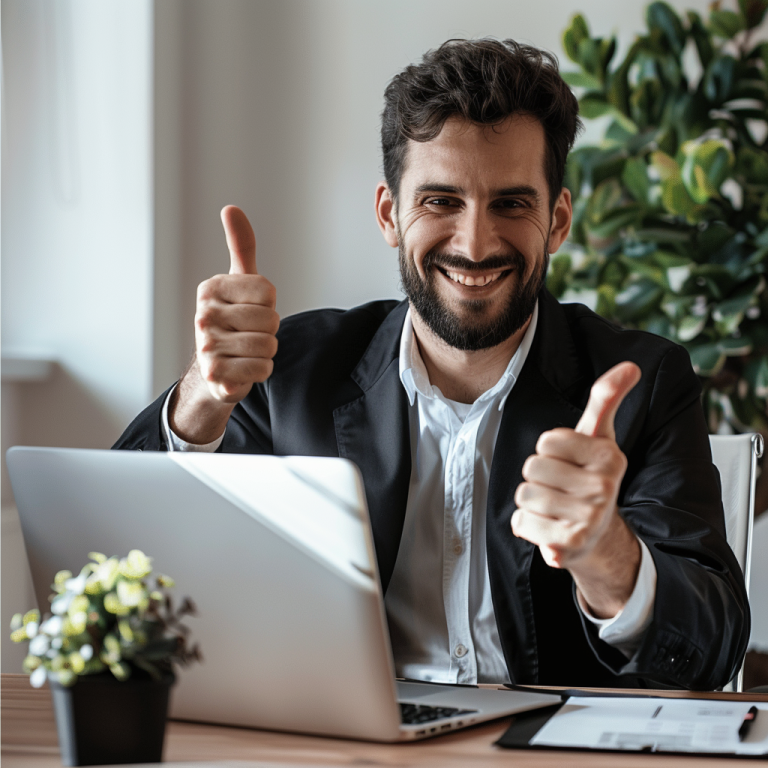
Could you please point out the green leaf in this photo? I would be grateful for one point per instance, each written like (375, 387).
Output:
(557, 277)
(701, 38)
(582, 80)
(706, 167)
(753, 165)
(572, 36)
(718, 79)
(690, 327)
(735, 347)
(665, 165)
(593, 106)
(635, 178)
(661, 16)
(760, 378)
(638, 299)
(707, 359)
(753, 12)
(726, 24)
(615, 220)
(676, 199)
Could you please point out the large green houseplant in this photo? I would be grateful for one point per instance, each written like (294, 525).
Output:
(670, 229)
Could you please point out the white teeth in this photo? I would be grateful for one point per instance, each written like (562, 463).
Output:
(478, 280)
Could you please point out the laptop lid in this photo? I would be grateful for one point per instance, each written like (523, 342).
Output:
(276, 552)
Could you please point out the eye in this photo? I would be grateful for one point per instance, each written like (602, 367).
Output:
(441, 202)
(510, 204)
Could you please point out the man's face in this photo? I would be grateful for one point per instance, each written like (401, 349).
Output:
(473, 227)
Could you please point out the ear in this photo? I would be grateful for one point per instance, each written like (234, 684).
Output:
(385, 214)
(561, 221)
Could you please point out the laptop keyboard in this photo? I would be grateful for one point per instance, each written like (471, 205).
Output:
(416, 714)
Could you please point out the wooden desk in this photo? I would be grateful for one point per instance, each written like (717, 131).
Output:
(29, 741)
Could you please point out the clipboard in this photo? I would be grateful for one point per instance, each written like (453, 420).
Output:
(626, 723)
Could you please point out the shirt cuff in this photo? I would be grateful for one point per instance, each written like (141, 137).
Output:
(175, 443)
(625, 630)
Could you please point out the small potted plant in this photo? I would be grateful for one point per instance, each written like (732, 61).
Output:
(107, 650)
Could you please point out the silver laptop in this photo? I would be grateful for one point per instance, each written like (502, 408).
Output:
(277, 553)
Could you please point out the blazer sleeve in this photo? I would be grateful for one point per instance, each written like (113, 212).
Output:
(248, 429)
(671, 498)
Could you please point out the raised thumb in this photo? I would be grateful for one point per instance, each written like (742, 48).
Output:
(240, 240)
(605, 397)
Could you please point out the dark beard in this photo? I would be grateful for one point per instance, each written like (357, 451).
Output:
(446, 324)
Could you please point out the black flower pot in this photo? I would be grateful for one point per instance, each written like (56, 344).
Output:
(102, 720)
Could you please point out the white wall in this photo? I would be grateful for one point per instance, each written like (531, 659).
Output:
(77, 202)
(77, 229)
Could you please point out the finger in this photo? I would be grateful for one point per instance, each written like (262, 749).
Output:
(605, 397)
(564, 476)
(544, 532)
(554, 504)
(229, 373)
(240, 240)
(237, 318)
(599, 454)
(240, 289)
(245, 344)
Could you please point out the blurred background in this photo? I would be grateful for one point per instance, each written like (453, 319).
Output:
(128, 124)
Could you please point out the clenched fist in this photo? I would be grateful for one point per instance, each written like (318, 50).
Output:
(568, 502)
(235, 327)
(236, 322)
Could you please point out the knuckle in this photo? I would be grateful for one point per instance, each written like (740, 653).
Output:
(209, 288)
(262, 370)
(215, 370)
(528, 467)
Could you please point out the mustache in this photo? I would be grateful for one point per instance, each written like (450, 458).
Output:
(458, 263)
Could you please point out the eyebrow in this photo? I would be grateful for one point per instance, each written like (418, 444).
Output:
(522, 190)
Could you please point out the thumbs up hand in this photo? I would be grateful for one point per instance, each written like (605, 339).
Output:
(567, 504)
(235, 321)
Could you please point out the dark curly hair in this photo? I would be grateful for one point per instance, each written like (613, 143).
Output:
(485, 81)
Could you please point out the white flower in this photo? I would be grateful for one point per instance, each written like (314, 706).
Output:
(38, 677)
(31, 629)
(52, 626)
(86, 651)
(130, 593)
(57, 642)
(39, 645)
(76, 585)
(60, 604)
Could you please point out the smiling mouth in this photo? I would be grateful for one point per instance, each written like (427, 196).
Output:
(474, 281)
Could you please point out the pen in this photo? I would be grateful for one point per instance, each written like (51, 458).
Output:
(749, 718)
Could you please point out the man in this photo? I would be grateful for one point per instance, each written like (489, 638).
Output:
(520, 536)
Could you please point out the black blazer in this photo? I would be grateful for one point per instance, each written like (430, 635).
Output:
(336, 391)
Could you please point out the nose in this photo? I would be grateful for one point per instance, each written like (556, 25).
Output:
(475, 236)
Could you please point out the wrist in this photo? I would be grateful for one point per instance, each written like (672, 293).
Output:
(606, 578)
(194, 414)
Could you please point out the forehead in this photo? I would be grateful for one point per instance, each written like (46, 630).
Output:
(470, 155)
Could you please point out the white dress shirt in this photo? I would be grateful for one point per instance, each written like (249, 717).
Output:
(439, 609)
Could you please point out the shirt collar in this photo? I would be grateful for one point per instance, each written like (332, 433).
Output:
(415, 379)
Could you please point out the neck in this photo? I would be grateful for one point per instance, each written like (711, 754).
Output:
(461, 375)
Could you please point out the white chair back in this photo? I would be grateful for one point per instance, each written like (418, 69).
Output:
(735, 457)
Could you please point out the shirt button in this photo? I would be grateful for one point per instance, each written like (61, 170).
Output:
(457, 548)
(460, 650)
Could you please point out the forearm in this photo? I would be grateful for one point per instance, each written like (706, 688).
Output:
(194, 414)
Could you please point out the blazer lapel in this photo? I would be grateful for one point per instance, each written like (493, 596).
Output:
(373, 432)
(535, 405)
